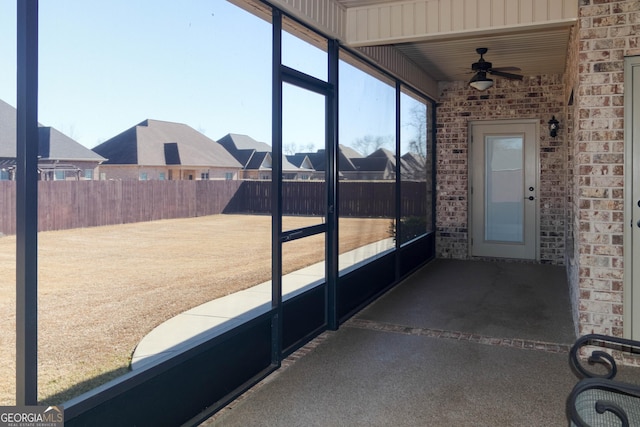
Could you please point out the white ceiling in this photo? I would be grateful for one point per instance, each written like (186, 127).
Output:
(535, 52)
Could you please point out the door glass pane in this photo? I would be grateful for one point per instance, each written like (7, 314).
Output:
(504, 210)
(304, 157)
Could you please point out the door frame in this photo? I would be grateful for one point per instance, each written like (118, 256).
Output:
(631, 246)
(470, 170)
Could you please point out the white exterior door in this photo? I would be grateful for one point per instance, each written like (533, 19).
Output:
(632, 199)
(504, 187)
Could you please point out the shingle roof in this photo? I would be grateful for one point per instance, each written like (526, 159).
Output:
(55, 145)
(300, 161)
(243, 156)
(288, 166)
(253, 154)
(121, 149)
(318, 159)
(158, 143)
(262, 160)
(414, 162)
(243, 148)
(297, 159)
(383, 153)
(349, 152)
(345, 154)
(52, 144)
(259, 161)
(372, 164)
(235, 141)
(412, 158)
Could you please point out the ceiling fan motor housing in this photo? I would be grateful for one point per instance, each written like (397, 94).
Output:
(481, 65)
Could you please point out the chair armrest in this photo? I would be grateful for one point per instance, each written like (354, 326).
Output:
(602, 402)
(598, 356)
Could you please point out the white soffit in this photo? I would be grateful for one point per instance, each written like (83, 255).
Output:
(398, 21)
(441, 36)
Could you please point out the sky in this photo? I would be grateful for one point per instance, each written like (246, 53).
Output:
(107, 66)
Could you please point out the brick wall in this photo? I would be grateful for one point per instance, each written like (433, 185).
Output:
(608, 30)
(534, 97)
(573, 250)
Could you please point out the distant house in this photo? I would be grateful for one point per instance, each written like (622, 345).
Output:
(59, 156)
(159, 150)
(346, 166)
(303, 163)
(256, 158)
(416, 167)
(317, 161)
(379, 165)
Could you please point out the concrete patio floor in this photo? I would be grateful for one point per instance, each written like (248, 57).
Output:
(459, 343)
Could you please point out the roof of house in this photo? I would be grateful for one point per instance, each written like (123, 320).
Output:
(160, 143)
(235, 141)
(415, 163)
(252, 154)
(52, 144)
(317, 159)
(243, 148)
(383, 153)
(373, 164)
(349, 152)
(297, 159)
(301, 161)
(345, 154)
(259, 161)
(381, 160)
(262, 160)
(414, 159)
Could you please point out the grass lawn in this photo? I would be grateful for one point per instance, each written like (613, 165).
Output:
(102, 289)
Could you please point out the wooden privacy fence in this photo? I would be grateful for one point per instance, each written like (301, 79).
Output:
(76, 204)
(363, 199)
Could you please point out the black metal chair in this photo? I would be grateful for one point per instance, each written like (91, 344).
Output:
(598, 399)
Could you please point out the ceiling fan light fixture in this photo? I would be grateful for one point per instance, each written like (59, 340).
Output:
(480, 81)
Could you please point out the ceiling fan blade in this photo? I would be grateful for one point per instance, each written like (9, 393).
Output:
(506, 69)
(505, 75)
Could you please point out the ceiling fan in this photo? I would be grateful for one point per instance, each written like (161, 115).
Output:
(480, 81)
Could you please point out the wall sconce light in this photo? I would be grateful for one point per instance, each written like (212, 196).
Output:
(553, 127)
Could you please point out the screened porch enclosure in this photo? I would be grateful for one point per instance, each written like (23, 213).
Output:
(366, 140)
